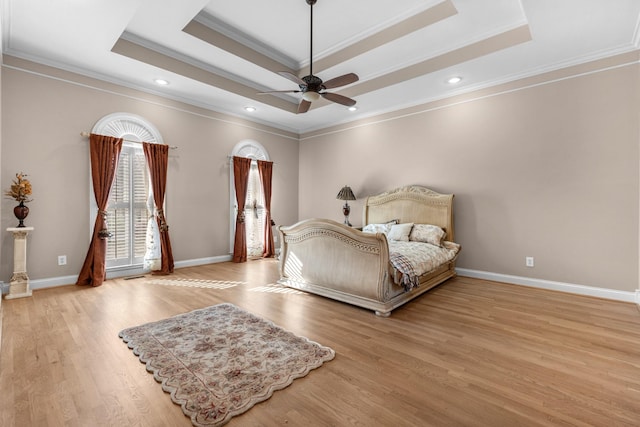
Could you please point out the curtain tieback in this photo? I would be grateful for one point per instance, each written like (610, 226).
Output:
(162, 226)
(241, 217)
(104, 233)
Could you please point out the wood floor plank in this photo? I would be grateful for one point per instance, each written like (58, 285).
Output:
(467, 353)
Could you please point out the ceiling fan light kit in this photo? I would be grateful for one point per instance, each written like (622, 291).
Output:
(310, 96)
(312, 87)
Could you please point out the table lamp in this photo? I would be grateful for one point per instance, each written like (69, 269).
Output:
(346, 194)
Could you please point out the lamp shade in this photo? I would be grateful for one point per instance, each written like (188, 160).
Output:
(345, 194)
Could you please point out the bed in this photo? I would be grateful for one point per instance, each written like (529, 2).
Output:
(367, 267)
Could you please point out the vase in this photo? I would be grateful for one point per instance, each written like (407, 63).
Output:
(21, 211)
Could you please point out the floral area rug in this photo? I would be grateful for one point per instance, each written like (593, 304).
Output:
(219, 361)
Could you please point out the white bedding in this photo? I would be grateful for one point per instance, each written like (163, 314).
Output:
(413, 259)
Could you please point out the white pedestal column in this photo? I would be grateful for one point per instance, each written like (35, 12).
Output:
(19, 285)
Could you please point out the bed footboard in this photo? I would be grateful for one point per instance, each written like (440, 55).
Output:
(330, 259)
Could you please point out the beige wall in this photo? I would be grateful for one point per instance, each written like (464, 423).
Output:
(43, 115)
(539, 168)
(549, 171)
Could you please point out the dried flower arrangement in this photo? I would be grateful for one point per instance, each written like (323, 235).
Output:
(20, 189)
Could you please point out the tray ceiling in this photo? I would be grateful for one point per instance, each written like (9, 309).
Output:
(218, 54)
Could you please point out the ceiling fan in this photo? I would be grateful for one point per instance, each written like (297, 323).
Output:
(312, 87)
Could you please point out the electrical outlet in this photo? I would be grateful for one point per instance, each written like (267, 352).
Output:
(62, 260)
(528, 261)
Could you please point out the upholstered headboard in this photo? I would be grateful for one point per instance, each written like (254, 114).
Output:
(412, 203)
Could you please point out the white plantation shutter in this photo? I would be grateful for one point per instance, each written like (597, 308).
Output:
(117, 214)
(140, 195)
(127, 210)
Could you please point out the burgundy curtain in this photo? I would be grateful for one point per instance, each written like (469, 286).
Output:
(265, 169)
(105, 151)
(241, 168)
(157, 156)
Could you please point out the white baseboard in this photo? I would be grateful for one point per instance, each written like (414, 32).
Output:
(52, 282)
(572, 288)
(202, 261)
(70, 280)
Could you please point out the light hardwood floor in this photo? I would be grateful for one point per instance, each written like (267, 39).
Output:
(467, 353)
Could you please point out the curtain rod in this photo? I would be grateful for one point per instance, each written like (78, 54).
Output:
(229, 157)
(87, 134)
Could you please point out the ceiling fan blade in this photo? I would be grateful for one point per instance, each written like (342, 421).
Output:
(278, 91)
(303, 107)
(292, 77)
(341, 81)
(340, 99)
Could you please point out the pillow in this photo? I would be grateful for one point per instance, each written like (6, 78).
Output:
(427, 233)
(379, 228)
(400, 232)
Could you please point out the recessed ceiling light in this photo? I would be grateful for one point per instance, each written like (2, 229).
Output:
(250, 109)
(454, 80)
(352, 108)
(161, 82)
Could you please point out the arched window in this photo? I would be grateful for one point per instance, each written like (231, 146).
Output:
(254, 203)
(135, 240)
